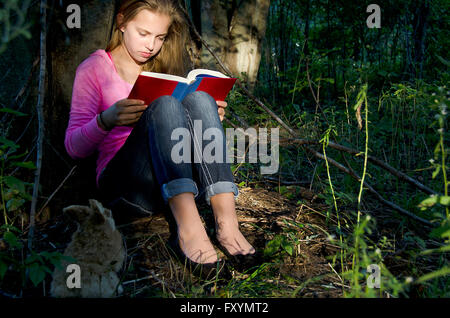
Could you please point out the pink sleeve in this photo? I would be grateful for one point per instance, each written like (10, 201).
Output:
(83, 135)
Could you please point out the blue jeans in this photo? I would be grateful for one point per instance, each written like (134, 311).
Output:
(143, 176)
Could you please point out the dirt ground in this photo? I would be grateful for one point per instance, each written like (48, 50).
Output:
(151, 271)
(262, 215)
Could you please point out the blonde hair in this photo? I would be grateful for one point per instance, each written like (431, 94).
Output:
(172, 58)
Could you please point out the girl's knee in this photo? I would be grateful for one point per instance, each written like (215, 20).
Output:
(164, 106)
(200, 100)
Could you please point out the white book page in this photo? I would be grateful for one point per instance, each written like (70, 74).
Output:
(192, 74)
(166, 77)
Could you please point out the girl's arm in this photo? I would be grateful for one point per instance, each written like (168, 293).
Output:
(83, 134)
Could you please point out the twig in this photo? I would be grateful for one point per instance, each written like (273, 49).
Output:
(57, 189)
(317, 95)
(340, 278)
(136, 280)
(40, 112)
(298, 182)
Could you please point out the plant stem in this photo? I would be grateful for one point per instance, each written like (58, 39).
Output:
(444, 172)
(3, 196)
(334, 200)
(355, 263)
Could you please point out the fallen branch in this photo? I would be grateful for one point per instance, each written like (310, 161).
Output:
(276, 180)
(387, 167)
(372, 159)
(372, 190)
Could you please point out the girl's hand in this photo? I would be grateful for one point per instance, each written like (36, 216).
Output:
(221, 109)
(125, 112)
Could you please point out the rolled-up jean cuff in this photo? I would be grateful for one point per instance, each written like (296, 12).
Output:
(220, 187)
(177, 186)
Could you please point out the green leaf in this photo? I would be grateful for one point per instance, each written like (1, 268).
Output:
(8, 143)
(436, 171)
(287, 246)
(444, 61)
(11, 181)
(14, 204)
(444, 271)
(9, 227)
(37, 274)
(273, 246)
(17, 156)
(14, 183)
(361, 96)
(26, 164)
(12, 111)
(440, 232)
(434, 199)
(11, 239)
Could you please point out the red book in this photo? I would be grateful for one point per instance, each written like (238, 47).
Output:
(149, 86)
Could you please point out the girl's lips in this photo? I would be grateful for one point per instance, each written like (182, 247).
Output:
(145, 54)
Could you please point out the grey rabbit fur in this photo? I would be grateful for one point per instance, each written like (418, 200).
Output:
(98, 249)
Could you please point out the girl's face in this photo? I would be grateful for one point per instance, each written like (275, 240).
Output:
(144, 35)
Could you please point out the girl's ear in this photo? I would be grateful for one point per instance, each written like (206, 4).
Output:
(120, 21)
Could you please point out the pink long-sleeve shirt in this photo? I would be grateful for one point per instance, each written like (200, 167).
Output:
(97, 86)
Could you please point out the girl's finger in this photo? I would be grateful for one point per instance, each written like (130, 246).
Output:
(221, 103)
(130, 117)
(137, 101)
(129, 102)
(136, 109)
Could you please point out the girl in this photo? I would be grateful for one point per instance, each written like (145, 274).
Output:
(133, 140)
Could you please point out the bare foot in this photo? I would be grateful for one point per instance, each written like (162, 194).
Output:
(227, 225)
(195, 244)
(231, 238)
(192, 237)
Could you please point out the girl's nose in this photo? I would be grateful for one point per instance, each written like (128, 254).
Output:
(151, 44)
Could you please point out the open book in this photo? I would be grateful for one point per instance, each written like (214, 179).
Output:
(149, 86)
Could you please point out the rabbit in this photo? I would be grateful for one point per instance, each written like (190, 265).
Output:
(98, 250)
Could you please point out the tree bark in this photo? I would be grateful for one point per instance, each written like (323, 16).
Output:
(235, 29)
(67, 48)
(247, 30)
(214, 30)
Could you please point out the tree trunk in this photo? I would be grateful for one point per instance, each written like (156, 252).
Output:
(420, 31)
(214, 30)
(67, 48)
(235, 29)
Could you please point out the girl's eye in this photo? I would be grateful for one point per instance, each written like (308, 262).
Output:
(142, 34)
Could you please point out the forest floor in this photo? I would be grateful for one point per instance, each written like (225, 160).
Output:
(150, 269)
(262, 215)
(296, 257)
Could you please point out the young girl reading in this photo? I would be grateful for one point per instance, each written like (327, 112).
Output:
(133, 140)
